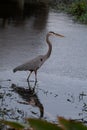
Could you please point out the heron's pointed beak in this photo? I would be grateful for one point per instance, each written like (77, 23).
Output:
(59, 35)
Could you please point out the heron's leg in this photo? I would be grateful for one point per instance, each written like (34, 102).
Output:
(29, 76)
(28, 83)
(35, 75)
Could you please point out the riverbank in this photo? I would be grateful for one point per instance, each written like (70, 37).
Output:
(78, 9)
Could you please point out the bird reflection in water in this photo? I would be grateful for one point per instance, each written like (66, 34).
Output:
(30, 96)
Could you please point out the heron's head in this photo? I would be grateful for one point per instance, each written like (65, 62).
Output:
(55, 34)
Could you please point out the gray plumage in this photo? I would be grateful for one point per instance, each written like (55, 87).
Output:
(31, 65)
(36, 63)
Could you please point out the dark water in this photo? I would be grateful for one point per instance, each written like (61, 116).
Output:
(61, 89)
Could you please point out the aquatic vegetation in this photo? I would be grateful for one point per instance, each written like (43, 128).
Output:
(77, 8)
(38, 124)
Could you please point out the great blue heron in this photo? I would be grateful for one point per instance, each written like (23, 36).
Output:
(36, 63)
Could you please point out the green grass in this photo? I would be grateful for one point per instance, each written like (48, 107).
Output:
(39, 124)
(78, 9)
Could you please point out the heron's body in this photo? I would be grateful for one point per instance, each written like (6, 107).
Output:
(31, 65)
(36, 63)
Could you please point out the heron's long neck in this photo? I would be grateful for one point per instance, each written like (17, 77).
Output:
(49, 45)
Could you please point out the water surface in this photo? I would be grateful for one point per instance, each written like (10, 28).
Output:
(62, 80)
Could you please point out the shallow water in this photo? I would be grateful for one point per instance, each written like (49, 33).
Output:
(62, 80)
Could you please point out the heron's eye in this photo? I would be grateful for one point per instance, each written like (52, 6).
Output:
(41, 59)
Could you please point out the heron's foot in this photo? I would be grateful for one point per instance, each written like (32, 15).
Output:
(30, 82)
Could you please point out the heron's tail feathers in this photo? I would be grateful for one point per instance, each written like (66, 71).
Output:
(19, 68)
(15, 69)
